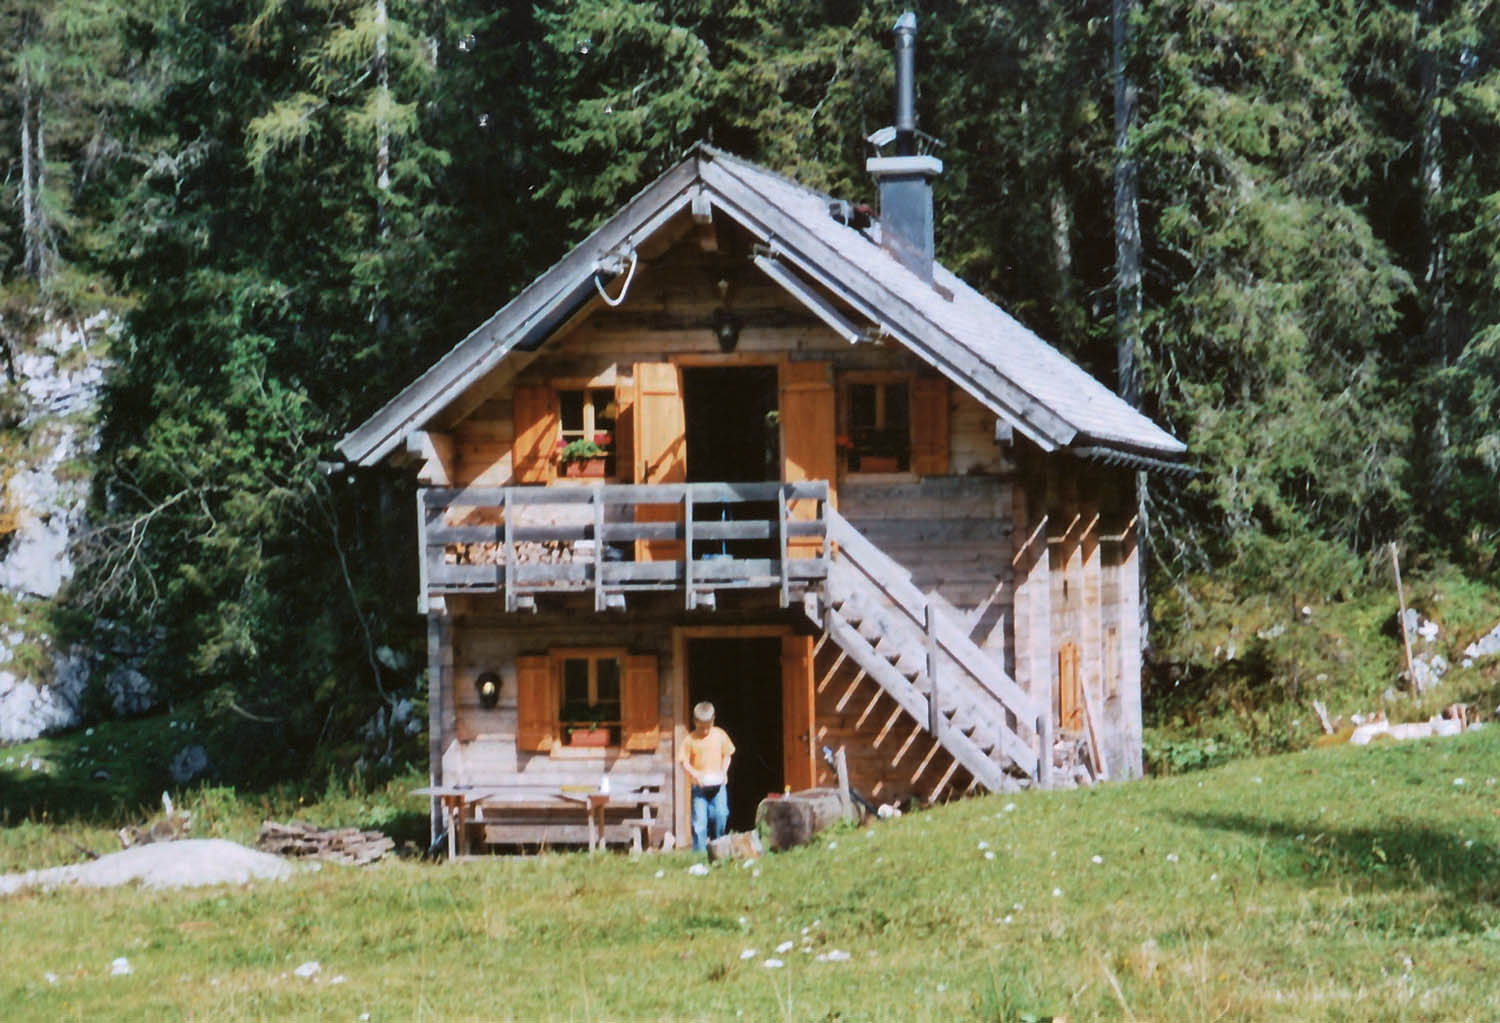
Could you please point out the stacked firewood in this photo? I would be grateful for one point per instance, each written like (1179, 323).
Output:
(339, 845)
(547, 552)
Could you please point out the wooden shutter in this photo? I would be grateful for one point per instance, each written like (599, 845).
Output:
(536, 704)
(625, 429)
(808, 449)
(640, 700)
(929, 426)
(660, 448)
(797, 715)
(537, 430)
(1069, 689)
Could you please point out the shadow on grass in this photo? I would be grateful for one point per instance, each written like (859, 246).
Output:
(1408, 855)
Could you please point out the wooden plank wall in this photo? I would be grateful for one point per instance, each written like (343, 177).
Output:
(1092, 601)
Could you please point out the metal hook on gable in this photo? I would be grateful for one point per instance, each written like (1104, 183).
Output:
(625, 290)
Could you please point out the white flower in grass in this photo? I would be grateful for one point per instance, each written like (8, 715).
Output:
(698, 869)
(1171, 857)
(661, 873)
(773, 964)
(120, 968)
(309, 969)
(984, 845)
(1458, 781)
(1008, 807)
(785, 946)
(340, 979)
(1096, 859)
(749, 953)
(50, 977)
(1008, 919)
(989, 855)
(1057, 893)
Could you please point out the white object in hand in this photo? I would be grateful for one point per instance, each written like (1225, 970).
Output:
(711, 778)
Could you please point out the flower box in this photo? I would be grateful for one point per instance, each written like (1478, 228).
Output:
(597, 738)
(879, 463)
(586, 467)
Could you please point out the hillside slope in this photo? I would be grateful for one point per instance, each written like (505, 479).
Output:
(1343, 883)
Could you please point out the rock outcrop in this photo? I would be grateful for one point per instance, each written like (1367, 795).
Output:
(49, 395)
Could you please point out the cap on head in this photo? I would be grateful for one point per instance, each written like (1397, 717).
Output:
(703, 713)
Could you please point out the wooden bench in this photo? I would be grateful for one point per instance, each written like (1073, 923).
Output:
(526, 813)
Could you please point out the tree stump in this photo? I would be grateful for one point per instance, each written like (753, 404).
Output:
(792, 820)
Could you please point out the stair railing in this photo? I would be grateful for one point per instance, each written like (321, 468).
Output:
(935, 623)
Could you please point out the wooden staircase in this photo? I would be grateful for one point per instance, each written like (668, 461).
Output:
(919, 654)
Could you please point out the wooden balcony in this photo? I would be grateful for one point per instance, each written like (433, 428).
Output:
(612, 540)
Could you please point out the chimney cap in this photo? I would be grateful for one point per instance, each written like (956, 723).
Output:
(907, 22)
(888, 166)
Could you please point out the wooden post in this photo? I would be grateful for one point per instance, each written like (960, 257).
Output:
(841, 768)
(598, 549)
(421, 551)
(1401, 623)
(934, 712)
(508, 552)
(781, 542)
(687, 547)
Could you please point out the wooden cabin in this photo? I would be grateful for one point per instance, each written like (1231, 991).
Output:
(750, 444)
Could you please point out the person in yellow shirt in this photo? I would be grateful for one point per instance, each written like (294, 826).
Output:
(705, 756)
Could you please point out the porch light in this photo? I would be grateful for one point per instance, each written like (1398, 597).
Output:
(726, 329)
(488, 685)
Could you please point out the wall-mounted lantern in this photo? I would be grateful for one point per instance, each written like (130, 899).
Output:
(726, 329)
(488, 684)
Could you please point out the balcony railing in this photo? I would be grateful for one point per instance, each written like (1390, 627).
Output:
(610, 540)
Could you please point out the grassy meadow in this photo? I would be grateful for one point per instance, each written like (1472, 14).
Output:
(1339, 883)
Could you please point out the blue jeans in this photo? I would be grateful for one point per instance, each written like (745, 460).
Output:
(710, 814)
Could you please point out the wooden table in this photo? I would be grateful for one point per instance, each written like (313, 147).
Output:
(458, 801)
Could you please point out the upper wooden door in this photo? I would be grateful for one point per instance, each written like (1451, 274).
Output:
(808, 444)
(660, 448)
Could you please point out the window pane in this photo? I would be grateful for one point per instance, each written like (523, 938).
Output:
(570, 410)
(575, 694)
(607, 685)
(897, 416)
(862, 407)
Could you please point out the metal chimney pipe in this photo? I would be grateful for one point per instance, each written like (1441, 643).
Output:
(906, 85)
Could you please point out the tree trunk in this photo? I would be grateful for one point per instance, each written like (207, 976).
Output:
(30, 248)
(382, 149)
(1128, 275)
(1436, 329)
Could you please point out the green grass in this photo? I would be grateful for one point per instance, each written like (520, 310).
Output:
(1344, 884)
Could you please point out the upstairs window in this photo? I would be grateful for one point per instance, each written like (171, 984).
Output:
(586, 438)
(878, 435)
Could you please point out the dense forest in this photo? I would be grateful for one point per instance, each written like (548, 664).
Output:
(1276, 226)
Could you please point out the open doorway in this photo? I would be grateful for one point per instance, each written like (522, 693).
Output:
(732, 437)
(741, 677)
(732, 434)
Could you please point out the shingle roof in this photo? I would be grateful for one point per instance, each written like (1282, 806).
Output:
(979, 346)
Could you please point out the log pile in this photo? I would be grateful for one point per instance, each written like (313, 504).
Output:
(547, 552)
(338, 845)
